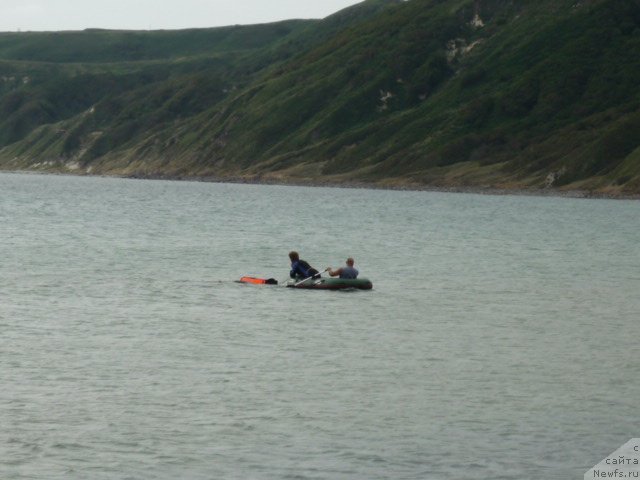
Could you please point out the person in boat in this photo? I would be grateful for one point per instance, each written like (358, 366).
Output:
(347, 272)
(301, 269)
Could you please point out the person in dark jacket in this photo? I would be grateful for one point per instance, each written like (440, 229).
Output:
(301, 269)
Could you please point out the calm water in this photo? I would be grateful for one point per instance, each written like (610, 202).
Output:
(501, 339)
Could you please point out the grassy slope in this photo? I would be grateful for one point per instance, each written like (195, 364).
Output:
(102, 46)
(114, 72)
(546, 93)
(531, 104)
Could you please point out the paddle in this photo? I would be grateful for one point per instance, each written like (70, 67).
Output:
(258, 281)
(302, 281)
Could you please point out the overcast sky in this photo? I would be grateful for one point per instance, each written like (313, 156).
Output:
(34, 15)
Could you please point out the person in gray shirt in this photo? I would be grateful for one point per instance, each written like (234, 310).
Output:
(347, 272)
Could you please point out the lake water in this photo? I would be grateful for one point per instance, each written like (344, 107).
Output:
(501, 339)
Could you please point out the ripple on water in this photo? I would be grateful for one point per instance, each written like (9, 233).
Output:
(490, 347)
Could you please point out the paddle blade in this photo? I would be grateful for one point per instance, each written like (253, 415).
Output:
(259, 281)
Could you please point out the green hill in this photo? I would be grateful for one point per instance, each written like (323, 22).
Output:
(447, 93)
(101, 46)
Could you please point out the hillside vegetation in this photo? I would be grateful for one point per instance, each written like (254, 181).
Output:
(450, 93)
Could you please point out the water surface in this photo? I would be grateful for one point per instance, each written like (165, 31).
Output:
(500, 340)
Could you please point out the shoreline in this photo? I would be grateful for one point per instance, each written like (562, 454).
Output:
(239, 180)
(473, 190)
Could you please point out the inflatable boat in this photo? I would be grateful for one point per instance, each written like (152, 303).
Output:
(317, 283)
(331, 284)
